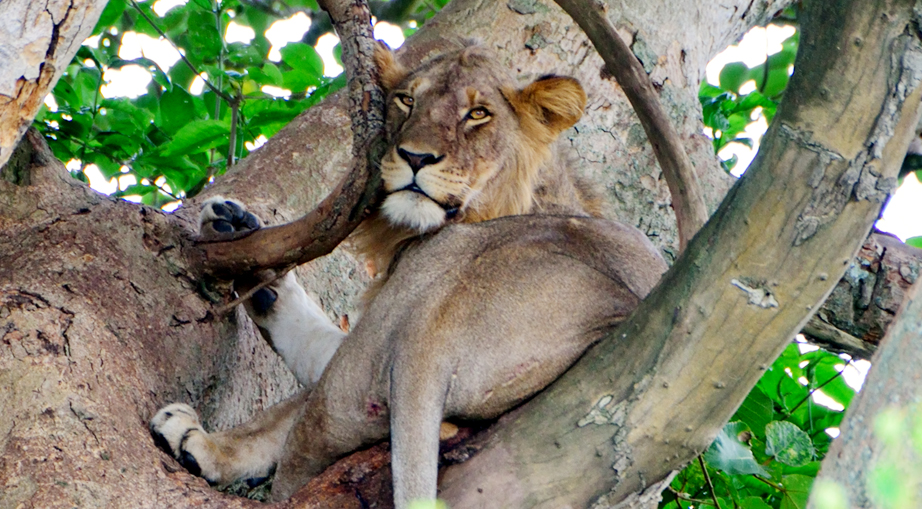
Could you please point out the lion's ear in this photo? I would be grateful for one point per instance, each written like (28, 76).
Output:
(389, 69)
(556, 102)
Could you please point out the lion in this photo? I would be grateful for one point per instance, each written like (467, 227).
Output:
(495, 273)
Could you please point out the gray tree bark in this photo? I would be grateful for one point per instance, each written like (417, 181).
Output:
(101, 321)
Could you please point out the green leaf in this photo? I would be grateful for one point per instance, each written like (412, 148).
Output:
(729, 454)
(114, 9)
(203, 37)
(268, 74)
(243, 55)
(756, 411)
(136, 189)
(177, 108)
(914, 241)
(788, 444)
(796, 491)
(729, 164)
(733, 75)
(753, 503)
(304, 58)
(196, 137)
(833, 382)
(706, 90)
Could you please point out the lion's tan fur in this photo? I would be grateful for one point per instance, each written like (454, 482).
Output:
(532, 177)
(502, 282)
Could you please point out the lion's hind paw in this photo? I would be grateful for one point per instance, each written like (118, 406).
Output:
(176, 429)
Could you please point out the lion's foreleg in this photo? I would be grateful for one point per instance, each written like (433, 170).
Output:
(296, 327)
(417, 401)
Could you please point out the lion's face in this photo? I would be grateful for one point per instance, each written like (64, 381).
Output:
(464, 143)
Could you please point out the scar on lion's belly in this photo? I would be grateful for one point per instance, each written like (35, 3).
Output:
(519, 371)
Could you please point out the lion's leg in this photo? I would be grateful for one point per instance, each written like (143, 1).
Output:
(416, 415)
(296, 327)
(340, 416)
(288, 318)
(250, 451)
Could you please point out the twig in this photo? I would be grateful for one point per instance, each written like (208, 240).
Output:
(163, 34)
(321, 230)
(680, 496)
(773, 485)
(687, 200)
(232, 140)
(252, 291)
(707, 479)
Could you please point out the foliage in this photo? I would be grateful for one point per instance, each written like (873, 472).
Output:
(727, 111)
(770, 452)
(894, 481)
(173, 141)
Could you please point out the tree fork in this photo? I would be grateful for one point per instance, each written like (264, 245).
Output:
(652, 395)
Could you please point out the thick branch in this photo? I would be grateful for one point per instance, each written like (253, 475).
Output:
(320, 231)
(654, 392)
(37, 42)
(687, 200)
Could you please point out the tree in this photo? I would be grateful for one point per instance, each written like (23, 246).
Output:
(88, 368)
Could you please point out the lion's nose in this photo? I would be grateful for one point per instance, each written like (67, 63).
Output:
(418, 161)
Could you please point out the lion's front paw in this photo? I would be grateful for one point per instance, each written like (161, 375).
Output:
(177, 430)
(221, 215)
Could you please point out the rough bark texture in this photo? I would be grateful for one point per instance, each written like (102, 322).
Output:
(38, 39)
(101, 322)
(860, 309)
(893, 385)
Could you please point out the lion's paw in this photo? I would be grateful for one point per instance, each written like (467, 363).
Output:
(176, 429)
(220, 215)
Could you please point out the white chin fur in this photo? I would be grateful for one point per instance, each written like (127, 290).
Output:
(413, 210)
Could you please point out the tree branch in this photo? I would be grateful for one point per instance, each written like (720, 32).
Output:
(674, 372)
(687, 199)
(860, 309)
(321, 230)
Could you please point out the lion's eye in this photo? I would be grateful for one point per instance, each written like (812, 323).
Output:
(406, 100)
(479, 113)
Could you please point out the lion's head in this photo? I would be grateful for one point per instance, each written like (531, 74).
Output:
(465, 144)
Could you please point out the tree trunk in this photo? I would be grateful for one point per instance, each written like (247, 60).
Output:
(101, 322)
(879, 444)
(37, 42)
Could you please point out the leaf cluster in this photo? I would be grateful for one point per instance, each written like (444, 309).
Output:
(172, 141)
(727, 111)
(770, 452)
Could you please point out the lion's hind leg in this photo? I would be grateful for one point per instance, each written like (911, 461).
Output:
(248, 452)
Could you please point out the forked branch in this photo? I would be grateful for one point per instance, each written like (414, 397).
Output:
(321, 230)
(687, 200)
